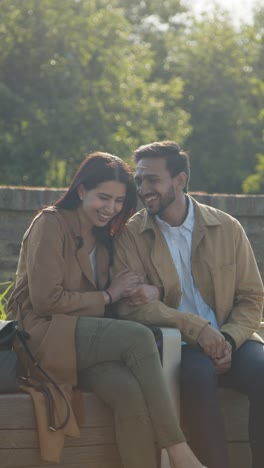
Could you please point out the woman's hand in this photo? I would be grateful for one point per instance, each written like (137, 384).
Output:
(141, 294)
(124, 280)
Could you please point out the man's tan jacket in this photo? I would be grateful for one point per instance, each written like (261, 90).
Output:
(223, 267)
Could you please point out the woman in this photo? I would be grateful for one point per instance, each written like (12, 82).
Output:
(63, 296)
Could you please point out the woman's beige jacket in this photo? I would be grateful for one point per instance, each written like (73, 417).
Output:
(54, 287)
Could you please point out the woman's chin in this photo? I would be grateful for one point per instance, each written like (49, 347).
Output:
(101, 223)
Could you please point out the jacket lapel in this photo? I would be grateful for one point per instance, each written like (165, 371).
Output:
(163, 263)
(82, 254)
(102, 265)
(203, 220)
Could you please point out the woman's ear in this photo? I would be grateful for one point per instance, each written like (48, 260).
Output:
(81, 190)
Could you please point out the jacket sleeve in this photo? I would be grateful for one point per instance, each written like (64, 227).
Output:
(155, 312)
(45, 266)
(246, 314)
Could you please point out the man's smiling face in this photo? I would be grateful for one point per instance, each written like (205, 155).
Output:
(155, 186)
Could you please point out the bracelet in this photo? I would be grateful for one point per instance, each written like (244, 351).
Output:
(161, 293)
(109, 295)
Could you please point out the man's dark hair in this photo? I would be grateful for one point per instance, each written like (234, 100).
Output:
(176, 159)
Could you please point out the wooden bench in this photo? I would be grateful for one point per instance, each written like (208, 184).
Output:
(235, 407)
(19, 440)
(97, 448)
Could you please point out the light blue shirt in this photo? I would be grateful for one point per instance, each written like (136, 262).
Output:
(179, 241)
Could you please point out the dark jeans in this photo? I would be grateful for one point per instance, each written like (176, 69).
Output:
(201, 414)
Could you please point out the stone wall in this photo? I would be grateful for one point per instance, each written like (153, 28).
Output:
(18, 205)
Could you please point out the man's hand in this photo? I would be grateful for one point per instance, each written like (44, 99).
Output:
(212, 342)
(224, 364)
(141, 294)
(123, 281)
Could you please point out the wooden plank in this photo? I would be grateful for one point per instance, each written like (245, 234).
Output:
(235, 408)
(239, 455)
(261, 330)
(16, 411)
(105, 464)
(28, 438)
(21, 458)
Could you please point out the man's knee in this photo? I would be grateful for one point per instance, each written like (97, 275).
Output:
(248, 368)
(197, 373)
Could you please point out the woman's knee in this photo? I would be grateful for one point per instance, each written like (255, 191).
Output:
(141, 336)
(116, 385)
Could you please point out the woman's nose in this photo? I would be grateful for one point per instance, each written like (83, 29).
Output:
(111, 207)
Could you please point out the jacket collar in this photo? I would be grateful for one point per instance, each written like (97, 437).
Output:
(203, 218)
(204, 215)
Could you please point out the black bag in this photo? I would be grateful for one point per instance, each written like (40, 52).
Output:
(8, 357)
(9, 365)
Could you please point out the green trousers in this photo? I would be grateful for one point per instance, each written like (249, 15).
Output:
(118, 360)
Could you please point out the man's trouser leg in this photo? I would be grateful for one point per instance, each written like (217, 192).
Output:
(247, 376)
(201, 413)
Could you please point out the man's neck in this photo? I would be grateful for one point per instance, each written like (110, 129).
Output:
(177, 212)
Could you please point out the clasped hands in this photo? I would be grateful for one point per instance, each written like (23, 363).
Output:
(131, 287)
(214, 344)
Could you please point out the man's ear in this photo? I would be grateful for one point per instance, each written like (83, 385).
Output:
(81, 190)
(181, 180)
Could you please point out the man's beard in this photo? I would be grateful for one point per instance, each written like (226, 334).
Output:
(165, 202)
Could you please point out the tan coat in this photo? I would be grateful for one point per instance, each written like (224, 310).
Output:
(54, 287)
(223, 267)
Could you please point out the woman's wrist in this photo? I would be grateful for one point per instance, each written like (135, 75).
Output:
(106, 297)
(109, 295)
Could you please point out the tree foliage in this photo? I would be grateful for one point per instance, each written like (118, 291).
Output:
(84, 75)
(72, 81)
(221, 96)
(254, 183)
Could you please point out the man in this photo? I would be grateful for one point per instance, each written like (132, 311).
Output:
(201, 277)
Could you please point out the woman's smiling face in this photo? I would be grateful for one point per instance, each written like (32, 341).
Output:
(99, 205)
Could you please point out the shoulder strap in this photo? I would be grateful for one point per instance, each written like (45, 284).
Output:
(33, 382)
